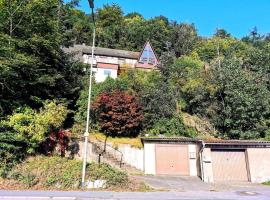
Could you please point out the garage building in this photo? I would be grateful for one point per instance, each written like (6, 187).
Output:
(213, 161)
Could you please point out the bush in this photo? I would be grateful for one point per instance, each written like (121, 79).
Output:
(12, 150)
(109, 85)
(172, 127)
(51, 172)
(33, 127)
(119, 114)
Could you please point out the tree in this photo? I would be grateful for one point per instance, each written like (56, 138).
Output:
(222, 33)
(33, 66)
(183, 38)
(119, 114)
(234, 99)
(110, 28)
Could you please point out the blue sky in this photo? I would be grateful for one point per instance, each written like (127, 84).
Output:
(238, 17)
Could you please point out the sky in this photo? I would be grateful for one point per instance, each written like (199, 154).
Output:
(238, 17)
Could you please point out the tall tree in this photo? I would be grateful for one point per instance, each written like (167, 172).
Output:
(33, 66)
(183, 38)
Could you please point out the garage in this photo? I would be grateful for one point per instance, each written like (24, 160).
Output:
(229, 165)
(172, 159)
(171, 156)
(212, 159)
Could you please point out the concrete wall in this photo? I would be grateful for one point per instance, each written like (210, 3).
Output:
(90, 155)
(149, 158)
(192, 149)
(207, 168)
(259, 164)
(132, 156)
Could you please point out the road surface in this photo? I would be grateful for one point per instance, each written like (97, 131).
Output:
(258, 194)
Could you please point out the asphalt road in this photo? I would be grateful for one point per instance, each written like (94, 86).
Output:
(262, 194)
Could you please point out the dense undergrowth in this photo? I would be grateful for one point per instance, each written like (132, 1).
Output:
(61, 173)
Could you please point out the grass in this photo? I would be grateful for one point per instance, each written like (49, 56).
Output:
(267, 183)
(62, 173)
(116, 141)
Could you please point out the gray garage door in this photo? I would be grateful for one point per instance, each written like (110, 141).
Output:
(229, 165)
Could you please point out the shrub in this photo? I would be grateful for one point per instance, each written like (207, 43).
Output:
(119, 114)
(57, 142)
(172, 127)
(12, 150)
(33, 127)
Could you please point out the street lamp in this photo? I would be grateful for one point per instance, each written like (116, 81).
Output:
(86, 134)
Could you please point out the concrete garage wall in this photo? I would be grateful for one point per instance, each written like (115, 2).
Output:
(207, 171)
(259, 164)
(132, 156)
(192, 149)
(149, 158)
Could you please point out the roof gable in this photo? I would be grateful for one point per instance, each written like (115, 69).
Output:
(148, 58)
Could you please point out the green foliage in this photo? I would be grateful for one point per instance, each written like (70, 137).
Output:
(33, 66)
(12, 150)
(267, 183)
(32, 126)
(172, 127)
(183, 38)
(51, 172)
(235, 99)
(244, 101)
(108, 85)
(208, 50)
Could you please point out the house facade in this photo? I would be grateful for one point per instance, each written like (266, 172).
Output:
(111, 62)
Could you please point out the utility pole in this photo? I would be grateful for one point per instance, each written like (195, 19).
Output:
(86, 134)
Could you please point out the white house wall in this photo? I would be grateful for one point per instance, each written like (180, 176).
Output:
(99, 74)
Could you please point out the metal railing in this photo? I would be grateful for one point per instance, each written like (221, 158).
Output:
(105, 145)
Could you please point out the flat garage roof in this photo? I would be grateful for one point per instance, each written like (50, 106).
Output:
(215, 142)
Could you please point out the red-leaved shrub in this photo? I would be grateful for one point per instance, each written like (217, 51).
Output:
(119, 114)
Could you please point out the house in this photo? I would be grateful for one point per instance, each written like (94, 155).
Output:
(213, 160)
(111, 62)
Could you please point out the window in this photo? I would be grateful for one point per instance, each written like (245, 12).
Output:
(107, 73)
(148, 55)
